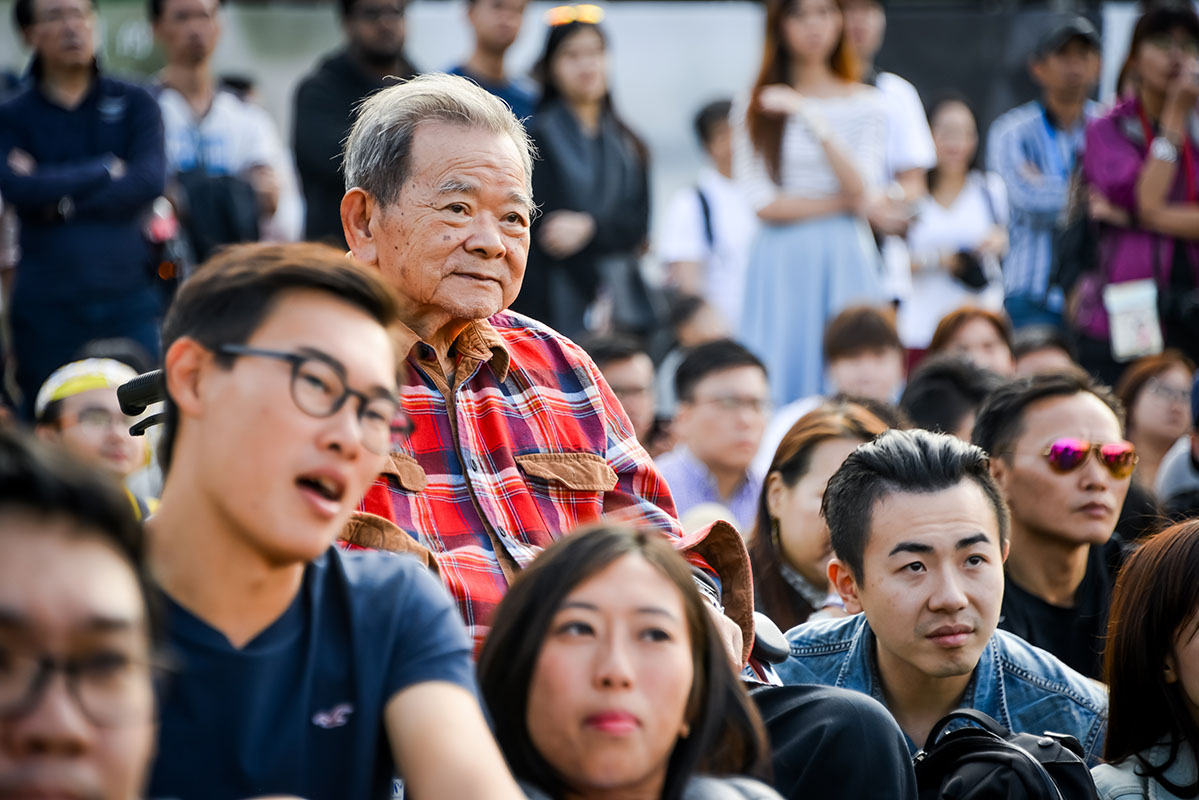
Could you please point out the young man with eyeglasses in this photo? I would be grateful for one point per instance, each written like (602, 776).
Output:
(920, 532)
(77, 636)
(1059, 456)
(304, 670)
(77, 407)
(723, 403)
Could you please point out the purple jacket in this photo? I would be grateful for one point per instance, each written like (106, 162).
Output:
(1114, 153)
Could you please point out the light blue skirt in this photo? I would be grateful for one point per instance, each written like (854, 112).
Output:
(799, 277)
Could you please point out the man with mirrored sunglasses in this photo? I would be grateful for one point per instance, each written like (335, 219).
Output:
(77, 636)
(302, 669)
(1059, 456)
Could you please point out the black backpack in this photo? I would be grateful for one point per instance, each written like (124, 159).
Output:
(989, 762)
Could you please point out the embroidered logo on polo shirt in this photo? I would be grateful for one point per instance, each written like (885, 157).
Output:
(112, 109)
(335, 717)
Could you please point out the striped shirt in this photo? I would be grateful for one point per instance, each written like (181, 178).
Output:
(524, 442)
(1035, 159)
(858, 122)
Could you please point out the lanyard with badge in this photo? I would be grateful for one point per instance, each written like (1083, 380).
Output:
(1132, 305)
(1060, 164)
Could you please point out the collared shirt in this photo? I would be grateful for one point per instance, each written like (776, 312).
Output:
(524, 442)
(1035, 159)
(692, 484)
(1124, 781)
(1023, 687)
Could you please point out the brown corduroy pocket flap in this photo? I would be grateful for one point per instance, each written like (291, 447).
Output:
(584, 472)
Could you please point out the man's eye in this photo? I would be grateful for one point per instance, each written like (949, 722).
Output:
(976, 561)
(915, 566)
(456, 208)
(105, 664)
(516, 219)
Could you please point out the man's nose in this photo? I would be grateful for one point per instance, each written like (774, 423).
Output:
(947, 593)
(486, 238)
(54, 726)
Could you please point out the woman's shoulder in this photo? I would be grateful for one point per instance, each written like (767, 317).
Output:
(731, 788)
(1118, 781)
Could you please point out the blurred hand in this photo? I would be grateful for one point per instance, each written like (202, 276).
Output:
(887, 215)
(730, 634)
(780, 99)
(565, 233)
(21, 162)
(995, 245)
(266, 187)
(116, 168)
(1183, 91)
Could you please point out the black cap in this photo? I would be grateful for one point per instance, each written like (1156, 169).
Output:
(1064, 32)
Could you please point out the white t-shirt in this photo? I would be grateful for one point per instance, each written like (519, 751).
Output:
(909, 140)
(230, 139)
(939, 231)
(909, 146)
(725, 257)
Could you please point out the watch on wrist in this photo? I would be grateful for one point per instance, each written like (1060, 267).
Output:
(1163, 150)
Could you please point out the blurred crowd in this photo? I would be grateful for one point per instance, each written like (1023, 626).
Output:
(293, 429)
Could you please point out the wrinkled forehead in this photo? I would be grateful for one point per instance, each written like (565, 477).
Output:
(61, 581)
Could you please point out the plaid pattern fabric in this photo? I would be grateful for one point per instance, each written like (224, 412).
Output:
(527, 443)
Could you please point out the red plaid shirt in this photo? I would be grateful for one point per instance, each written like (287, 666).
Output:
(532, 443)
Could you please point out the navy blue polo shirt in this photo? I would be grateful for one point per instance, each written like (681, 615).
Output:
(299, 710)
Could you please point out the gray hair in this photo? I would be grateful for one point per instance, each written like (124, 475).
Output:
(377, 152)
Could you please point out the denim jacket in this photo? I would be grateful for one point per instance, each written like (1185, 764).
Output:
(1023, 687)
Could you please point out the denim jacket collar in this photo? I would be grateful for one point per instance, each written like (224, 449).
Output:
(985, 692)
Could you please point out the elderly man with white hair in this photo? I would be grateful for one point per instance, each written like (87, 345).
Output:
(518, 439)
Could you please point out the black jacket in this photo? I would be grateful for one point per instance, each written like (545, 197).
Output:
(606, 177)
(324, 112)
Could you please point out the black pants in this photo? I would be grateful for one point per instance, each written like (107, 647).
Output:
(834, 743)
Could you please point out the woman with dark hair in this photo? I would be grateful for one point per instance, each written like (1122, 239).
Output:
(1152, 671)
(790, 548)
(605, 677)
(960, 230)
(1156, 392)
(808, 148)
(591, 185)
(1142, 160)
(984, 337)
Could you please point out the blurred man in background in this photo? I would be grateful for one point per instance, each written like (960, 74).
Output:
(496, 24)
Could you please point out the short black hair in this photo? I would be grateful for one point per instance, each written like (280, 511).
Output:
(38, 479)
(708, 358)
(230, 295)
(1034, 338)
(22, 14)
(605, 350)
(907, 462)
(347, 7)
(1000, 421)
(681, 307)
(944, 390)
(711, 115)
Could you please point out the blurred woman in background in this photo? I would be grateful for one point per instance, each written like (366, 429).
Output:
(808, 148)
(960, 230)
(591, 184)
(1156, 393)
(984, 337)
(790, 549)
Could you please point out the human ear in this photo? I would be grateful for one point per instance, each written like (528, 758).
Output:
(841, 578)
(358, 209)
(1171, 673)
(183, 369)
(774, 493)
(1004, 551)
(999, 472)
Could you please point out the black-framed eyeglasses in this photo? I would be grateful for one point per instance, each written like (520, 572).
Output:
(319, 389)
(111, 688)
